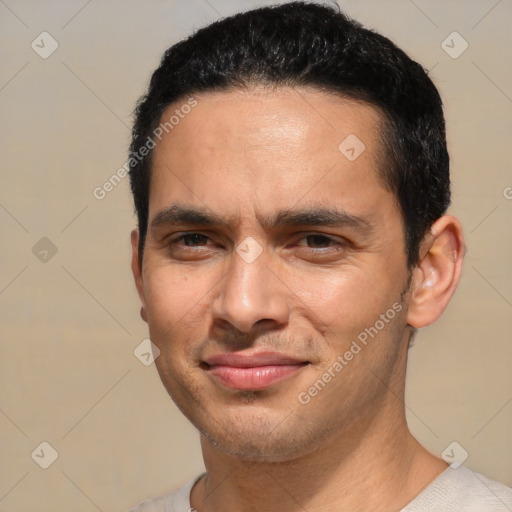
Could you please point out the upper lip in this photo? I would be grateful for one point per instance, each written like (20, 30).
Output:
(251, 360)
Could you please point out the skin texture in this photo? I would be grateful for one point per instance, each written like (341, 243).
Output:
(245, 156)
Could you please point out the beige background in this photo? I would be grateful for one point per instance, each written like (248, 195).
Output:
(69, 325)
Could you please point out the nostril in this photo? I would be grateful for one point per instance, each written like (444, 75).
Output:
(263, 320)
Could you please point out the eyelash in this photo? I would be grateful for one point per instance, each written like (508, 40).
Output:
(181, 237)
(325, 237)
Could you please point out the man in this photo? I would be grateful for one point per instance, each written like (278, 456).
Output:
(290, 176)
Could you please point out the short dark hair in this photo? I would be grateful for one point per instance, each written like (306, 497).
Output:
(306, 44)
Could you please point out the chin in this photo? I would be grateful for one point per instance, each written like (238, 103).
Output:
(258, 439)
(254, 451)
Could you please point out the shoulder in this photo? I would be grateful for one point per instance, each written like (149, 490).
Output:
(462, 490)
(176, 501)
(152, 505)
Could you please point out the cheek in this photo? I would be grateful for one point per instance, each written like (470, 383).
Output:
(177, 306)
(343, 302)
(175, 296)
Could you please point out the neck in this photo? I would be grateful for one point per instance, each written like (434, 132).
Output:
(379, 471)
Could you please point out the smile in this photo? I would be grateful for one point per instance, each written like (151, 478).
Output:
(254, 372)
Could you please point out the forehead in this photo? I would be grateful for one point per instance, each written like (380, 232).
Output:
(269, 149)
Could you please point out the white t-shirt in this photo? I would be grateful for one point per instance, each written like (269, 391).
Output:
(454, 490)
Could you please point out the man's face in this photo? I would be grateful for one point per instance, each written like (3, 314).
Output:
(247, 326)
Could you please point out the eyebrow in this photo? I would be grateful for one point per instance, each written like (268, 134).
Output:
(313, 216)
(177, 214)
(319, 216)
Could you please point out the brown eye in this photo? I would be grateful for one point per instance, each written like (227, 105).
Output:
(192, 247)
(192, 239)
(318, 240)
(320, 248)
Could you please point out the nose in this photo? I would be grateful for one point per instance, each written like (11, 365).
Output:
(250, 294)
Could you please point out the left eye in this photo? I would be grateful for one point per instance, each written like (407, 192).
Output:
(318, 241)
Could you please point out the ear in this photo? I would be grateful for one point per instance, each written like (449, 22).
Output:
(437, 274)
(137, 271)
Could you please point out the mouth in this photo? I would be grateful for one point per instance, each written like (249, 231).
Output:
(252, 372)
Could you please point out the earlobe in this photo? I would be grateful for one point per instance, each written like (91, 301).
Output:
(137, 271)
(437, 274)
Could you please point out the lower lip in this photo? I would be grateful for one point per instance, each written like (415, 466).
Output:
(259, 377)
